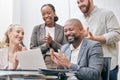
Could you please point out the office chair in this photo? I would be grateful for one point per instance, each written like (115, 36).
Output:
(106, 68)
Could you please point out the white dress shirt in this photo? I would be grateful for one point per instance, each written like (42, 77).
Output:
(74, 57)
(51, 31)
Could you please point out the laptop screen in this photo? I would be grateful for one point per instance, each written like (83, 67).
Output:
(31, 59)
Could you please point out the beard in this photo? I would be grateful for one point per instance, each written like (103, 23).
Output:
(87, 7)
(74, 40)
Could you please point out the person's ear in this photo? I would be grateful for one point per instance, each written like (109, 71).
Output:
(81, 31)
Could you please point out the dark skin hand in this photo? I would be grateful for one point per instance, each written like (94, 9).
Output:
(48, 40)
(60, 59)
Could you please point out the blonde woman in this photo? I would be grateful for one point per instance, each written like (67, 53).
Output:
(11, 44)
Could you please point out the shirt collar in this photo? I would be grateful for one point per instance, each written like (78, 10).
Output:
(78, 48)
(93, 11)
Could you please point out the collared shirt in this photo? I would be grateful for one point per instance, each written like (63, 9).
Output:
(74, 57)
(74, 53)
(103, 22)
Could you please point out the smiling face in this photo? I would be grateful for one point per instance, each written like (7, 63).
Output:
(16, 35)
(48, 15)
(84, 5)
(73, 31)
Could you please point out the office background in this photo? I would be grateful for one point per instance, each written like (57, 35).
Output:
(27, 13)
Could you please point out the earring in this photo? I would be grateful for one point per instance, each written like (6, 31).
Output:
(55, 18)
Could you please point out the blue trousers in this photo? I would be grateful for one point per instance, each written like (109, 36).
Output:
(114, 73)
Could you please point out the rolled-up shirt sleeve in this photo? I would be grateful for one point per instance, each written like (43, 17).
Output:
(112, 34)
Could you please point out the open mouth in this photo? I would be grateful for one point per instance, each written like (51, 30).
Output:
(70, 37)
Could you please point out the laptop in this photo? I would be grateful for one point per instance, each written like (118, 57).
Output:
(31, 59)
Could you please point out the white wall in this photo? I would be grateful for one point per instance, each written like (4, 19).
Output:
(6, 15)
(17, 12)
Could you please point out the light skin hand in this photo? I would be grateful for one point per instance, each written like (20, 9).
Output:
(86, 32)
(16, 62)
(24, 48)
(90, 36)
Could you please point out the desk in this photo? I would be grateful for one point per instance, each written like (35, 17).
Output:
(27, 74)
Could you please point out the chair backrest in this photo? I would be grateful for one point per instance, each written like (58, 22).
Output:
(106, 68)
